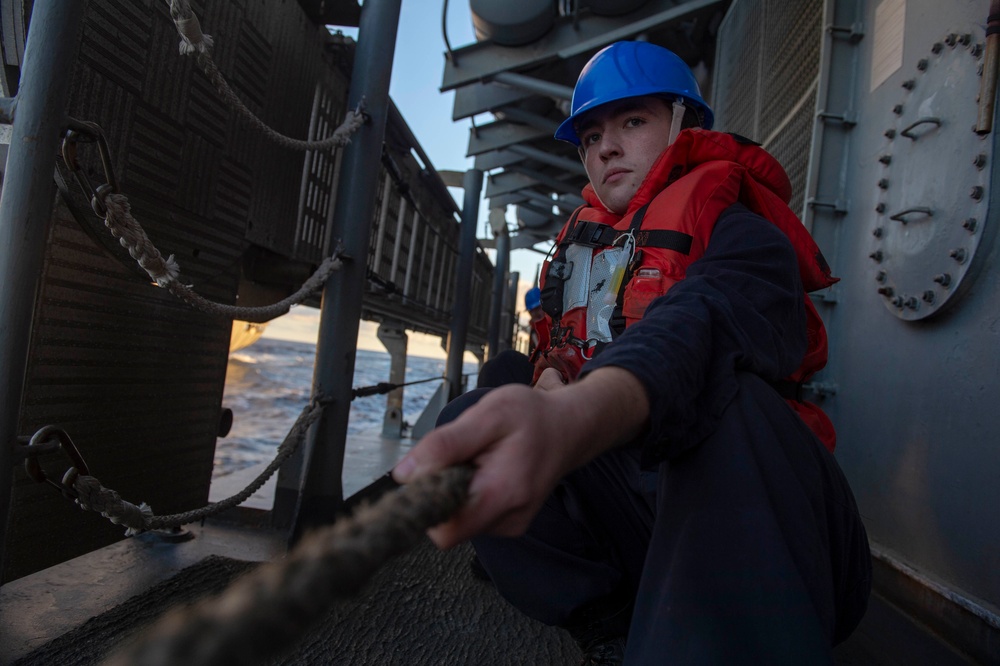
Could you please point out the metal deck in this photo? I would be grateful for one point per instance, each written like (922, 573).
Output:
(423, 608)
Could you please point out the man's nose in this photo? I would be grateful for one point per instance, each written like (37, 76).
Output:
(610, 145)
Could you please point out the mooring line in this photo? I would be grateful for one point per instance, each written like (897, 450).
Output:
(263, 613)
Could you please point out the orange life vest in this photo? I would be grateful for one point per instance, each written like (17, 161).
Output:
(669, 223)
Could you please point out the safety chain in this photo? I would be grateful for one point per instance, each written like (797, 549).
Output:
(116, 211)
(89, 494)
(267, 610)
(195, 42)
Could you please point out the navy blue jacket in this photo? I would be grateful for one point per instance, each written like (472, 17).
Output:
(739, 308)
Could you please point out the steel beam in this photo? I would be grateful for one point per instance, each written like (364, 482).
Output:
(26, 206)
(505, 200)
(507, 182)
(499, 292)
(557, 91)
(569, 37)
(494, 136)
(462, 308)
(519, 115)
(476, 98)
(497, 159)
(321, 496)
(563, 163)
(548, 181)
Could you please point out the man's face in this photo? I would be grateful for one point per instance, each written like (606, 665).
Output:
(619, 141)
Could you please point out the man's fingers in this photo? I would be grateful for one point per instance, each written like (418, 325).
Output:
(550, 379)
(440, 448)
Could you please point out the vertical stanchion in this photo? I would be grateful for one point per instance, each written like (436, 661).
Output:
(462, 308)
(499, 291)
(321, 494)
(26, 205)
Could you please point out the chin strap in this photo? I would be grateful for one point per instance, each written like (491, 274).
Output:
(676, 121)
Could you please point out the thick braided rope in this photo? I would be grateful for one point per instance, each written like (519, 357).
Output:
(340, 137)
(195, 42)
(264, 612)
(166, 272)
(93, 496)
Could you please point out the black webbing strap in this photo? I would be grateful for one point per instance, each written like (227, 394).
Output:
(661, 238)
(788, 389)
(556, 275)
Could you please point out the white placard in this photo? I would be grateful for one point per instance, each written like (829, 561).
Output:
(887, 53)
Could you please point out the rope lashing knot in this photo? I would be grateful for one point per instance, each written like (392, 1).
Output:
(193, 40)
(123, 226)
(95, 497)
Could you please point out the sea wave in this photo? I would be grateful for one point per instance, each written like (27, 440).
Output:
(268, 384)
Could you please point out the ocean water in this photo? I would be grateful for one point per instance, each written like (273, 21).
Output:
(269, 382)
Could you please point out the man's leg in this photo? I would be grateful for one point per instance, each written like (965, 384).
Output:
(758, 553)
(580, 562)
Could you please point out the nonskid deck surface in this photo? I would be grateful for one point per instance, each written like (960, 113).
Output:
(424, 608)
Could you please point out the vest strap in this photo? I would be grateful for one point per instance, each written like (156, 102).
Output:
(556, 275)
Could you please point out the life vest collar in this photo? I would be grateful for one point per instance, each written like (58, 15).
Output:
(692, 148)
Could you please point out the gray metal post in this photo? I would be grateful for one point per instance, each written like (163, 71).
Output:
(26, 205)
(462, 309)
(393, 337)
(499, 292)
(321, 495)
(509, 318)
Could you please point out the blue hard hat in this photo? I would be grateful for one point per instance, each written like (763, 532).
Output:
(632, 69)
(533, 298)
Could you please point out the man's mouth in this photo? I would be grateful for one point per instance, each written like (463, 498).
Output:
(612, 173)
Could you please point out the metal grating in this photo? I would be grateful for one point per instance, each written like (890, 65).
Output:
(737, 69)
(791, 52)
(319, 177)
(766, 79)
(134, 375)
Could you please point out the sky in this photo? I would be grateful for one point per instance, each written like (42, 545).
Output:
(418, 67)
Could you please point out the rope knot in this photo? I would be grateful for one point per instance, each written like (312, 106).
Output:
(193, 40)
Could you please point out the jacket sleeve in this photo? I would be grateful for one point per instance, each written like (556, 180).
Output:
(740, 307)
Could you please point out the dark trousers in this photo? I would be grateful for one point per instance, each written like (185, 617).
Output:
(747, 549)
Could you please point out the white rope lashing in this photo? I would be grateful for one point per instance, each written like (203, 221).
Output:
(195, 42)
(166, 272)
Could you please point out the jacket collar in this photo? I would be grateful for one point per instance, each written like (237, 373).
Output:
(692, 148)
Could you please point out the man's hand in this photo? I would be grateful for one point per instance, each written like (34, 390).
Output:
(550, 379)
(522, 442)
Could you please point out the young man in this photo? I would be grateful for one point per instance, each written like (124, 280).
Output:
(661, 491)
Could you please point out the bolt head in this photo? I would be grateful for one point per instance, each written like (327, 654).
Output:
(928, 296)
(890, 134)
(943, 279)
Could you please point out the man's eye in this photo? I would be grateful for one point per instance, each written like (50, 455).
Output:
(591, 139)
(634, 121)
